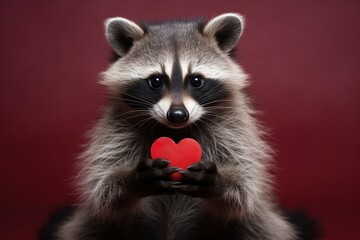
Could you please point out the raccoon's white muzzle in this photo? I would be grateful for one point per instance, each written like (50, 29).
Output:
(177, 115)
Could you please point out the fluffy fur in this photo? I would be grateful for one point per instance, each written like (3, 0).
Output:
(241, 203)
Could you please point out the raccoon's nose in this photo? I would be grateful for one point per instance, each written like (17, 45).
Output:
(177, 114)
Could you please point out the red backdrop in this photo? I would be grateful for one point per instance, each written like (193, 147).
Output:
(303, 58)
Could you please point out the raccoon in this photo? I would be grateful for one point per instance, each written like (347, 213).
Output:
(176, 79)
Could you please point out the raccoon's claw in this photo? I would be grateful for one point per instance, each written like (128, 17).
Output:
(153, 177)
(156, 173)
(148, 163)
(200, 166)
(198, 181)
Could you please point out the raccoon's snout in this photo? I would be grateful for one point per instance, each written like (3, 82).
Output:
(177, 114)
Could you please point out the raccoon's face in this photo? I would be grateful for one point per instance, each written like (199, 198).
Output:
(176, 73)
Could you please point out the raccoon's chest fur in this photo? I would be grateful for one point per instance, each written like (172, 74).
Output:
(175, 217)
(171, 217)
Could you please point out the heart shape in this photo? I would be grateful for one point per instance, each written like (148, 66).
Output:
(181, 155)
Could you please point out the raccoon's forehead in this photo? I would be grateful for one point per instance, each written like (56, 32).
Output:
(183, 43)
(166, 44)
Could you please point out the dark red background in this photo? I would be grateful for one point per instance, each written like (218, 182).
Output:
(303, 58)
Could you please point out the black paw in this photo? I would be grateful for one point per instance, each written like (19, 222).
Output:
(153, 177)
(198, 181)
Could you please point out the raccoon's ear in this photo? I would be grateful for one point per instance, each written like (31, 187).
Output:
(226, 29)
(122, 33)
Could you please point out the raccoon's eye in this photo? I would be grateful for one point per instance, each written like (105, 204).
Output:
(155, 81)
(197, 81)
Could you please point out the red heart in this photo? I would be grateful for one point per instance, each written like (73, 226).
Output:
(182, 155)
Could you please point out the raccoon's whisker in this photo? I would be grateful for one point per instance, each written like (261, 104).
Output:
(137, 116)
(154, 125)
(134, 111)
(217, 107)
(206, 123)
(208, 119)
(213, 116)
(230, 101)
(143, 99)
(129, 95)
(142, 122)
(137, 113)
(136, 102)
(208, 95)
(219, 101)
(215, 110)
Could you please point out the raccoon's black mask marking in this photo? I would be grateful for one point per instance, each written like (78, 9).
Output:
(140, 95)
(212, 93)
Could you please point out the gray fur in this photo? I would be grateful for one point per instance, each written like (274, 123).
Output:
(228, 133)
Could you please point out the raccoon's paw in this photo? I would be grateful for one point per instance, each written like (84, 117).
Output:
(198, 181)
(153, 177)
